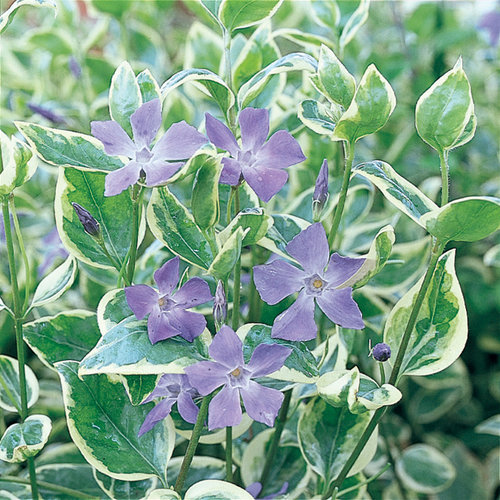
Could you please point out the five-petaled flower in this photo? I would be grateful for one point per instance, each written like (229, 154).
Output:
(279, 279)
(230, 371)
(179, 142)
(258, 162)
(168, 315)
(173, 389)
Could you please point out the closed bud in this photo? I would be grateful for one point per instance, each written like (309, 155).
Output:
(381, 352)
(90, 225)
(220, 306)
(320, 195)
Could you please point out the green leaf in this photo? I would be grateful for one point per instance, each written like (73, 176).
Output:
(235, 14)
(55, 41)
(205, 197)
(252, 219)
(127, 350)
(373, 103)
(55, 283)
(124, 96)
(164, 494)
(174, 226)
(441, 328)
(489, 426)
(230, 252)
(67, 336)
(306, 40)
(113, 7)
(104, 426)
(148, 86)
(325, 455)
(316, 116)
(445, 111)
(7, 17)
(466, 219)
(201, 468)
(139, 387)
(424, 469)
(296, 61)
(114, 214)
(68, 149)
(212, 7)
(332, 79)
(10, 394)
(326, 13)
(203, 48)
(17, 164)
(357, 19)
(401, 193)
(491, 258)
(219, 490)
(21, 441)
(124, 490)
(300, 366)
(112, 309)
(207, 80)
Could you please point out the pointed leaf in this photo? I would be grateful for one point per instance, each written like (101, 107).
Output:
(326, 13)
(235, 14)
(205, 197)
(216, 489)
(253, 219)
(316, 116)
(357, 19)
(148, 86)
(10, 394)
(124, 490)
(225, 260)
(7, 17)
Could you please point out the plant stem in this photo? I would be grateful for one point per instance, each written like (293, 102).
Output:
(47, 486)
(10, 256)
(443, 162)
(364, 483)
(136, 215)
(228, 77)
(399, 484)
(229, 454)
(235, 318)
(193, 443)
(339, 209)
(382, 373)
(280, 425)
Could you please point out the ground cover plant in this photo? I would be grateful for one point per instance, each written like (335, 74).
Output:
(249, 250)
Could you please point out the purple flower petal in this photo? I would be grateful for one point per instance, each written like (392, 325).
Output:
(280, 151)
(193, 293)
(261, 403)
(296, 322)
(310, 248)
(159, 328)
(227, 349)
(119, 180)
(158, 172)
(265, 181)
(254, 124)
(167, 276)
(225, 409)
(340, 307)
(268, 358)
(340, 269)
(231, 172)
(115, 140)
(206, 376)
(179, 142)
(157, 414)
(163, 387)
(277, 280)
(141, 299)
(220, 135)
(187, 408)
(146, 121)
(189, 324)
(254, 489)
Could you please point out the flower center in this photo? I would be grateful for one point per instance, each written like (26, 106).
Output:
(143, 156)
(236, 373)
(166, 303)
(246, 158)
(315, 284)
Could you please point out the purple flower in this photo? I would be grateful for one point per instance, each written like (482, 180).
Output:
(381, 352)
(173, 389)
(46, 113)
(260, 163)
(279, 279)
(229, 370)
(179, 142)
(168, 315)
(255, 488)
(320, 195)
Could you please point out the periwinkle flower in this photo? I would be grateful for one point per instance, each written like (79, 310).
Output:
(173, 389)
(258, 162)
(255, 488)
(381, 352)
(320, 195)
(168, 314)
(159, 163)
(279, 279)
(46, 113)
(230, 371)
(90, 225)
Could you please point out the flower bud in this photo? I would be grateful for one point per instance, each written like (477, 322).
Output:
(220, 306)
(320, 195)
(381, 352)
(90, 225)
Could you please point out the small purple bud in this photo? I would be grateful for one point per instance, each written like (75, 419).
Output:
(320, 195)
(46, 113)
(90, 225)
(74, 67)
(381, 352)
(220, 306)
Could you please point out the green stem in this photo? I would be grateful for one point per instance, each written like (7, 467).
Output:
(230, 202)
(33, 481)
(390, 456)
(229, 454)
(253, 297)
(382, 373)
(193, 443)
(443, 162)
(235, 318)
(10, 256)
(228, 76)
(339, 209)
(364, 483)
(136, 215)
(47, 486)
(273, 449)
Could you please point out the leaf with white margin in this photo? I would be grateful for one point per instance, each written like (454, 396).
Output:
(21, 441)
(10, 393)
(424, 469)
(326, 13)
(236, 14)
(201, 468)
(357, 19)
(253, 219)
(112, 309)
(148, 86)
(401, 193)
(127, 350)
(219, 490)
(104, 426)
(124, 490)
(7, 17)
(230, 252)
(343, 428)
(440, 331)
(466, 219)
(163, 494)
(370, 108)
(3, 305)
(55, 283)
(489, 426)
(296, 61)
(317, 117)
